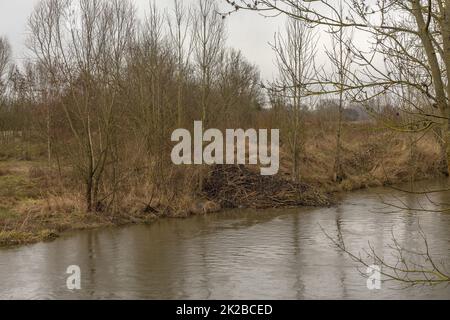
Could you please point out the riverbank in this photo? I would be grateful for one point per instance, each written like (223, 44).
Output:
(235, 254)
(28, 214)
(38, 203)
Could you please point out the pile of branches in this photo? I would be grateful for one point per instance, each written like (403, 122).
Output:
(234, 186)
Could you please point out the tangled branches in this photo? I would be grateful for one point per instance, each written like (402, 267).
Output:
(237, 186)
(409, 267)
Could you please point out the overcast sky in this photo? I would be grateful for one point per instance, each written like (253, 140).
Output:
(246, 30)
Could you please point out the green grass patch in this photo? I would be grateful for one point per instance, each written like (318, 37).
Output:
(17, 186)
(7, 213)
(14, 238)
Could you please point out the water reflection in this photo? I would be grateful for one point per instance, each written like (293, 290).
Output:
(235, 255)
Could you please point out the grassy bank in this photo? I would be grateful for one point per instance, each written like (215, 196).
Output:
(38, 203)
(371, 157)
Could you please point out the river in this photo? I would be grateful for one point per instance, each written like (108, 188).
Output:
(241, 254)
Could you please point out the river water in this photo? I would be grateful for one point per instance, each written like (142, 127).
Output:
(242, 254)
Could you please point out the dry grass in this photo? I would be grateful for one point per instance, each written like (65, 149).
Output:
(371, 157)
(37, 203)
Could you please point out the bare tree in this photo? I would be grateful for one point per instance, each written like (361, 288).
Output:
(179, 27)
(340, 57)
(417, 31)
(208, 37)
(160, 64)
(407, 266)
(44, 26)
(5, 59)
(238, 88)
(295, 51)
(82, 47)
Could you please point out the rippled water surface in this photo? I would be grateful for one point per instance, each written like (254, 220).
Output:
(243, 254)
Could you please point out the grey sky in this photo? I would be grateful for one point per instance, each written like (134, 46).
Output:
(246, 31)
(13, 17)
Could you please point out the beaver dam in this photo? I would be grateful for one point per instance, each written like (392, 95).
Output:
(233, 186)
